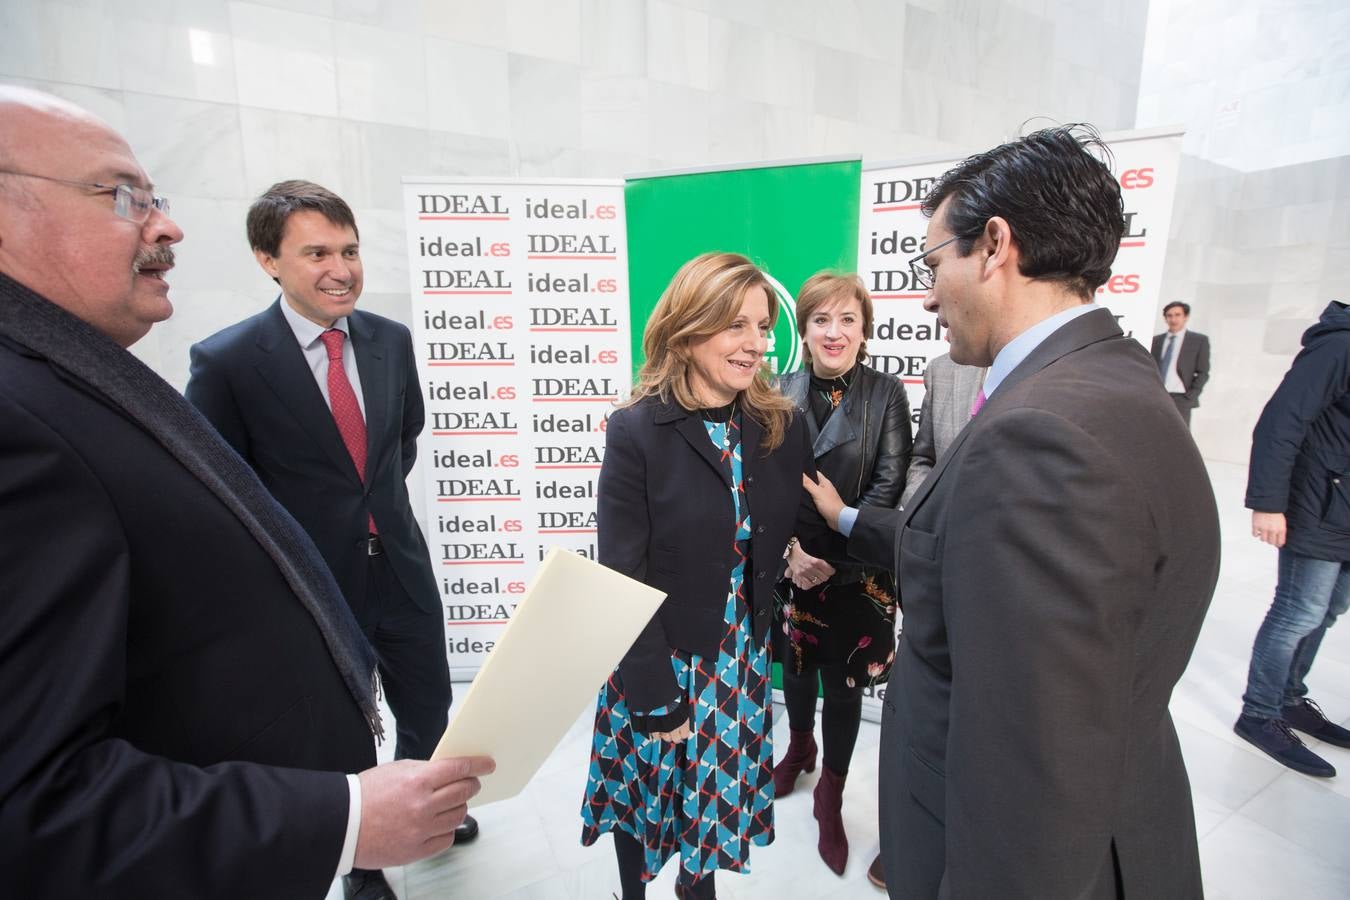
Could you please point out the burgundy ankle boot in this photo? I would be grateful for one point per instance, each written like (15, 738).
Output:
(800, 757)
(829, 798)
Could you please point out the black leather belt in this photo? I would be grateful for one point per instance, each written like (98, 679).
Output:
(374, 546)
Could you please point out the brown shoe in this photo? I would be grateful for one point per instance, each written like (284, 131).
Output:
(876, 874)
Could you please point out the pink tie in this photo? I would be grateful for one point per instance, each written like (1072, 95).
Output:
(346, 411)
(978, 404)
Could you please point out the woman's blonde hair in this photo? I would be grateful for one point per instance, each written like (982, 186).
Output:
(829, 287)
(703, 298)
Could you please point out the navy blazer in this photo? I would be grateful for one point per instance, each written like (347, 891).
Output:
(1300, 462)
(665, 518)
(252, 382)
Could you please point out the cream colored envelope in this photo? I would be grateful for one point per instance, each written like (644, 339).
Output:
(572, 626)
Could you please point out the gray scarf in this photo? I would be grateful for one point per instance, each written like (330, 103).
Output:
(88, 355)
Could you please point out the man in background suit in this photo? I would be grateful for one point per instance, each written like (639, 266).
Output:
(949, 395)
(324, 402)
(1055, 566)
(1183, 359)
(184, 686)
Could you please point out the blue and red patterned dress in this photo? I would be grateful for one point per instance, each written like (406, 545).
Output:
(709, 797)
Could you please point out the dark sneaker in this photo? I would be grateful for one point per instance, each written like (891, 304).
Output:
(1275, 739)
(1307, 717)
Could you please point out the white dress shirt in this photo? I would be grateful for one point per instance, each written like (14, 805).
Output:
(1172, 378)
(307, 334)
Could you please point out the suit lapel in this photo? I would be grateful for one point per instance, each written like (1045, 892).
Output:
(281, 363)
(838, 429)
(372, 363)
(690, 427)
(1088, 328)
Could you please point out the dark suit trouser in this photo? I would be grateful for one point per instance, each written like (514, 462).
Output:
(414, 670)
(1184, 407)
(913, 849)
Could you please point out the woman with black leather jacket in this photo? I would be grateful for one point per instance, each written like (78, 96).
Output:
(836, 616)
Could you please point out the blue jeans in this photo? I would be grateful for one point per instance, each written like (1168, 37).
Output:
(1309, 596)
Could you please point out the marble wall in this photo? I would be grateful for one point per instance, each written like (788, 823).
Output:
(220, 99)
(1260, 238)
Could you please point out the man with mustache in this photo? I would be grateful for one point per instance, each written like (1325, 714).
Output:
(324, 402)
(187, 696)
(1055, 566)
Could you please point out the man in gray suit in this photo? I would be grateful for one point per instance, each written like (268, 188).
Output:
(1055, 566)
(1183, 359)
(949, 394)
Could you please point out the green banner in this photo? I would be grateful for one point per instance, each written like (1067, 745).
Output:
(792, 220)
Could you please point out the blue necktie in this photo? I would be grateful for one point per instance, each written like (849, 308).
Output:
(1166, 357)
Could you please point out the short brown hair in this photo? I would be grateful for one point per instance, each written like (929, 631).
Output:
(827, 287)
(268, 214)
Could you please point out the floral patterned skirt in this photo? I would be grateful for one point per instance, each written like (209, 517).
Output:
(831, 624)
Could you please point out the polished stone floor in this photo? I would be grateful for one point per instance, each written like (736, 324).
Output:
(1265, 832)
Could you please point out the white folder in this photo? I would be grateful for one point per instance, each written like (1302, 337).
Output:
(573, 624)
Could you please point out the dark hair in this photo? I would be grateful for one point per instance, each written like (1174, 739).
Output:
(1061, 202)
(268, 214)
(1185, 308)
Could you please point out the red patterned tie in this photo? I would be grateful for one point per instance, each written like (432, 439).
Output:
(346, 411)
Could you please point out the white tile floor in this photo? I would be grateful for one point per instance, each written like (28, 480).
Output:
(1265, 832)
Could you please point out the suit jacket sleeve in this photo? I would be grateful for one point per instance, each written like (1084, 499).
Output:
(414, 412)
(84, 813)
(923, 458)
(1201, 374)
(1041, 594)
(893, 453)
(209, 390)
(624, 531)
(1319, 376)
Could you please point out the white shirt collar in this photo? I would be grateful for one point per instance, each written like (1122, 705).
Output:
(307, 333)
(1020, 347)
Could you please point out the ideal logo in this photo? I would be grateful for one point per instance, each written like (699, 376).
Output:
(587, 551)
(547, 209)
(480, 552)
(460, 587)
(477, 487)
(454, 206)
(440, 247)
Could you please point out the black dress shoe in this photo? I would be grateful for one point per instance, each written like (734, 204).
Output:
(366, 884)
(466, 831)
(1308, 718)
(1274, 738)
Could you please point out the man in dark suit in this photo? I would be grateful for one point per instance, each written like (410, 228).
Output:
(323, 401)
(1183, 359)
(184, 687)
(1055, 565)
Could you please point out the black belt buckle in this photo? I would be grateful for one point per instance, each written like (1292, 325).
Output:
(374, 546)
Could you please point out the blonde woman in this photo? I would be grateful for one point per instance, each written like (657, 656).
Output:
(699, 491)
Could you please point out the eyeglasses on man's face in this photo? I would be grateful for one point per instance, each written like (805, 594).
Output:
(129, 201)
(922, 276)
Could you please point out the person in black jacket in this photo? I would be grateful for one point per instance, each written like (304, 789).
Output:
(1300, 456)
(838, 616)
(682, 760)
